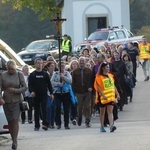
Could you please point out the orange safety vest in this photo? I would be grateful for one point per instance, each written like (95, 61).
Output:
(107, 86)
(143, 53)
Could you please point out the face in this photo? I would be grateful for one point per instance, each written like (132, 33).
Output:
(39, 64)
(81, 62)
(116, 56)
(74, 65)
(124, 52)
(144, 41)
(62, 67)
(126, 58)
(106, 69)
(88, 65)
(11, 69)
(50, 59)
(26, 70)
(85, 52)
(51, 67)
(100, 58)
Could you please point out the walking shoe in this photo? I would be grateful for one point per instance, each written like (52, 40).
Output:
(59, 127)
(88, 123)
(102, 129)
(67, 127)
(79, 121)
(14, 146)
(74, 121)
(112, 128)
(44, 127)
(51, 127)
(23, 122)
(30, 121)
(36, 129)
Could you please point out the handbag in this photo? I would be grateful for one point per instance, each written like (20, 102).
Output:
(24, 106)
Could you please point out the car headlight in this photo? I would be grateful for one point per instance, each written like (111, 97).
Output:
(39, 55)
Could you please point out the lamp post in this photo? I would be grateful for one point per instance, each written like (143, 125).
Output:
(58, 21)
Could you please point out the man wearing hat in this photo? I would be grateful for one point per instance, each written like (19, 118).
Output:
(66, 45)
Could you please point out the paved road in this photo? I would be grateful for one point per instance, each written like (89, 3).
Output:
(133, 130)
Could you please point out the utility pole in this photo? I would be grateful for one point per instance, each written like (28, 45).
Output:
(58, 21)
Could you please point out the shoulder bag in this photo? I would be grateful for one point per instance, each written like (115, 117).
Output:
(24, 106)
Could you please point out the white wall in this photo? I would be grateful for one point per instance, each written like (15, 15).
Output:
(76, 11)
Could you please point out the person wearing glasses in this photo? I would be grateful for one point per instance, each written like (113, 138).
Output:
(106, 95)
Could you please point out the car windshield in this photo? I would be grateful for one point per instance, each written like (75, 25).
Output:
(98, 36)
(42, 45)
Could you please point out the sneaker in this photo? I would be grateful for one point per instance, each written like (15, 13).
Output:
(36, 129)
(112, 128)
(51, 127)
(30, 121)
(88, 123)
(44, 127)
(79, 121)
(23, 122)
(102, 129)
(67, 127)
(74, 121)
(59, 127)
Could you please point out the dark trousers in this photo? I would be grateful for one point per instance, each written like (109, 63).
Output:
(40, 107)
(31, 105)
(64, 99)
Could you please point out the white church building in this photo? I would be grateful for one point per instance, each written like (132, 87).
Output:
(85, 16)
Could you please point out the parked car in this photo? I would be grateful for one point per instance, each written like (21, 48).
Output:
(111, 35)
(3, 122)
(39, 49)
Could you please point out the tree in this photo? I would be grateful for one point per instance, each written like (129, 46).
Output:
(44, 8)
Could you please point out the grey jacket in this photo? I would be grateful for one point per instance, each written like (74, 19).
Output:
(12, 81)
(55, 80)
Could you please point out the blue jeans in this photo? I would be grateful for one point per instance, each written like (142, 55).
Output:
(50, 111)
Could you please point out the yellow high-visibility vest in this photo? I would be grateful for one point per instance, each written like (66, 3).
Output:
(107, 86)
(65, 46)
(143, 53)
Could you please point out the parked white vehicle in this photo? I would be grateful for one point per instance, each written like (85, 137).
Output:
(3, 122)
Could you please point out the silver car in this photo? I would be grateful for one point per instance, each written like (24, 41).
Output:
(3, 122)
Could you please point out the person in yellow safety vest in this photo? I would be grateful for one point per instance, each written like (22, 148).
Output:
(144, 49)
(66, 46)
(106, 95)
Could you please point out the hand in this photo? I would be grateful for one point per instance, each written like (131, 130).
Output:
(60, 84)
(32, 94)
(89, 89)
(118, 97)
(61, 75)
(2, 102)
(11, 90)
(52, 96)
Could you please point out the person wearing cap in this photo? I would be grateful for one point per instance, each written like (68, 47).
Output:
(66, 45)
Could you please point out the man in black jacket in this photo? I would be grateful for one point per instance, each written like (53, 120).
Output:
(122, 72)
(39, 82)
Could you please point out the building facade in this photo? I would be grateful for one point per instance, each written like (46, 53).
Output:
(85, 16)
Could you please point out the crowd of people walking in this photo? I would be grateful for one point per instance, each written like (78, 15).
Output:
(98, 80)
